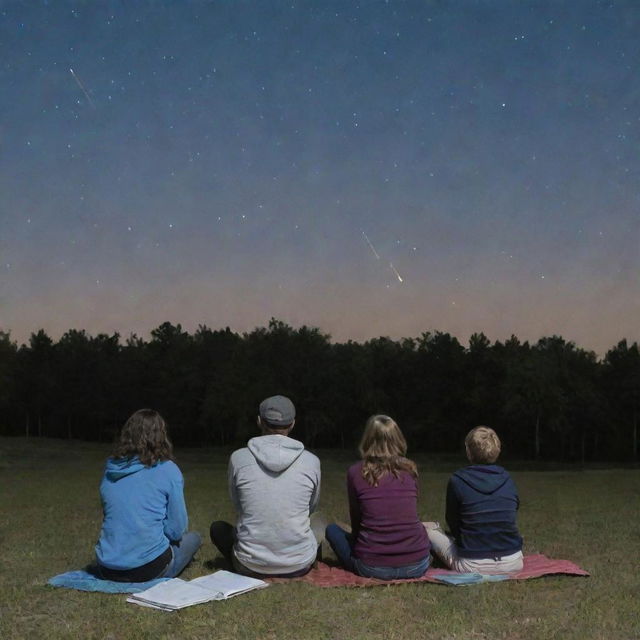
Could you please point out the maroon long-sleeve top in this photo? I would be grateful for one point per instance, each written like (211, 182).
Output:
(384, 519)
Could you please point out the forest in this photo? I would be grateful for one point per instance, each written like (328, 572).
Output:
(548, 401)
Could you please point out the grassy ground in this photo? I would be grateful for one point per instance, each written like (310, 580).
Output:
(50, 518)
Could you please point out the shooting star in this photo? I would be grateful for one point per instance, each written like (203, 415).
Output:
(396, 272)
(86, 95)
(375, 253)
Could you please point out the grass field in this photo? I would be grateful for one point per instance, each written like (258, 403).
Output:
(50, 518)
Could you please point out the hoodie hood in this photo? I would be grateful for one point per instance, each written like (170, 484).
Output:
(484, 478)
(118, 468)
(274, 452)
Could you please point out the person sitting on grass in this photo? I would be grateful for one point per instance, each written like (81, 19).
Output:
(274, 485)
(482, 501)
(145, 518)
(387, 539)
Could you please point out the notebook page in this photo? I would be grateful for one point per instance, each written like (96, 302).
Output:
(142, 603)
(228, 584)
(174, 594)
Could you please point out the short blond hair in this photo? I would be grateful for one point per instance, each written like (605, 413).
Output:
(483, 445)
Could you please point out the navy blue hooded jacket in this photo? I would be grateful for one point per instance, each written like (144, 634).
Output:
(482, 501)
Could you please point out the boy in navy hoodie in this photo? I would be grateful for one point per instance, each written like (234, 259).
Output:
(482, 501)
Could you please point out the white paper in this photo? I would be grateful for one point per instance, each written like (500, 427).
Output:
(228, 584)
(176, 593)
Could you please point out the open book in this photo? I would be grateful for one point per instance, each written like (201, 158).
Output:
(176, 593)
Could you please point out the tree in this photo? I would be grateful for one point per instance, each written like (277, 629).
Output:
(221, 367)
(440, 390)
(485, 373)
(77, 380)
(38, 381)
(8, 376)
(621, 378)
(531, 396)
(172, 380)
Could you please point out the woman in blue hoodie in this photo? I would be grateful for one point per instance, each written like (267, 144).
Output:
(482, 501)
(145, 518)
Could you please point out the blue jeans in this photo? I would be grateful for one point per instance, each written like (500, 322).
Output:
(342, 544)
(182, 552)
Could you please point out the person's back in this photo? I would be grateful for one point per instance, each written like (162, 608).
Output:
(144, 529)
(274, 485)
(137, 527)
(387, 540)
(482, 501)
(386, 529)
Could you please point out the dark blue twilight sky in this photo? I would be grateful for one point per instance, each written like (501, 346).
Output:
(371, 168)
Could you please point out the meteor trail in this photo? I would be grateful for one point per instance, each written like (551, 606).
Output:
(396, 272)
(375, 253)
(86, 95)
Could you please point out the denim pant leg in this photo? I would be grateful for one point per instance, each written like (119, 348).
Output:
(415, 570)
(182, 551)
(341, 542)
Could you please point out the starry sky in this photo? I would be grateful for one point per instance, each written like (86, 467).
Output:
(370, 168)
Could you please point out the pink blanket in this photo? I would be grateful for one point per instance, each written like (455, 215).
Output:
(535, 566)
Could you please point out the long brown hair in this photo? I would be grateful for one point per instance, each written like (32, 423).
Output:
(144, 435)
(383, 449)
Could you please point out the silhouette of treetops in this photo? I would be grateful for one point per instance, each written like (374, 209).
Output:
(548, 400)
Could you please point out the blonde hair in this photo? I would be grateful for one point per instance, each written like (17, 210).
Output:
(382, 449)
(483, 445)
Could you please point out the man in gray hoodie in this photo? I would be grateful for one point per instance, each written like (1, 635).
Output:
(274, 485)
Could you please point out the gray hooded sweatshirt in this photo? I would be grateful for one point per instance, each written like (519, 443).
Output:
(274, 485)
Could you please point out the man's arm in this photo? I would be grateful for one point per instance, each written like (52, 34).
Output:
(315, 495)
(231, 481)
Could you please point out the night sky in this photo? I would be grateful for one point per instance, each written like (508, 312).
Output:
(369, 168)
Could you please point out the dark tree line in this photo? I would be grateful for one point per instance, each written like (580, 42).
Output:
(548, 400)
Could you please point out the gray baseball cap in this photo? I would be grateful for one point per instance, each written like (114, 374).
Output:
(277, 411)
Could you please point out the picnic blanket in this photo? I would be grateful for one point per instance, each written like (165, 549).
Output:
(535, 566)
(85, 581)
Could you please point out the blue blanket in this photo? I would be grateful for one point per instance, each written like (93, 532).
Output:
(85, 581)
(461, 579)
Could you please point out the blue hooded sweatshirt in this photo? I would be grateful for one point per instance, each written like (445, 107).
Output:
(482, 501)
(144, 511)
